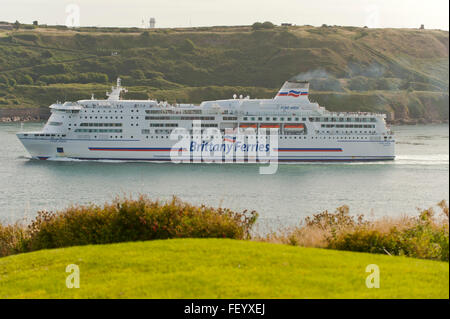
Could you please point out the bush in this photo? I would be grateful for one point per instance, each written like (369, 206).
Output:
(125, 220)
(257, 26)
(4, 80)
(264, 25)
(268, 25)
(425, 236)
(13, 239)
(25, 79)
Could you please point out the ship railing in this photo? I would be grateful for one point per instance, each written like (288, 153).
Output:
(352, 113)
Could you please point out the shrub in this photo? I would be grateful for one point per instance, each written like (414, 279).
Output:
(264, 25)
(425, 236)
(268, 25)
(4, 80)
(25, 79)
(13, 239)
(125, 220)
(257, 26)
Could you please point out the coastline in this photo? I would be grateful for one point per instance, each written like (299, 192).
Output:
(24, 114)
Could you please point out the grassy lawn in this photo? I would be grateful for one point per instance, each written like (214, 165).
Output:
(217, 268)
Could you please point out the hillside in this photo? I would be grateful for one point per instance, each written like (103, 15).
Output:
(217, 268)
(402, 72)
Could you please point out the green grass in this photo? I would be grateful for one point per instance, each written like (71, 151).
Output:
(217, 268)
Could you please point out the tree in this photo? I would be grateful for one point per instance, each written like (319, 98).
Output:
(16, 25)
(257, 26)
(264, 25)
(268, 25)
(35, 23)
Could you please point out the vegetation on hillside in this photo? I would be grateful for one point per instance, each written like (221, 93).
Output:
(217, 268)
(388, 70)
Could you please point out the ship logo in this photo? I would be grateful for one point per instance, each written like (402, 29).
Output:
(228, 138)
(292, 93)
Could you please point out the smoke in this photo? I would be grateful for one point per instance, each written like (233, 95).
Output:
(310, 75)
(373, 70)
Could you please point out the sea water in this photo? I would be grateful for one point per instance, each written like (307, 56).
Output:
(418, 178)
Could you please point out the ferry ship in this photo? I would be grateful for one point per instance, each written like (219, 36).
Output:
(140, 130)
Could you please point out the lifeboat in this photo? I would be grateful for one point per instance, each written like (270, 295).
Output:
(269, 126)
(248, 126)
(294, 126)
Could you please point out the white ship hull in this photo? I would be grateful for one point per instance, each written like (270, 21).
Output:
(289, 150)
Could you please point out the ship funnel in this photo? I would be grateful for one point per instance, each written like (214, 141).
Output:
(293, 90)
